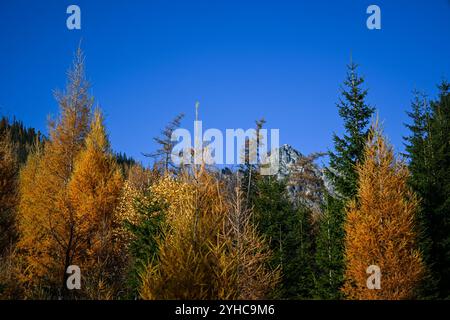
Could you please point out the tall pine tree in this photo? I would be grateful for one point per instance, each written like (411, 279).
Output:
(428, 148)
(349, 150)
(288, 229)
(419, 151)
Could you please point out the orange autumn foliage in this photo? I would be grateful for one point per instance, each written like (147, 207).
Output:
(381, 227)
(94, 192)
(68, 191)
(46, 218)
(209, 249)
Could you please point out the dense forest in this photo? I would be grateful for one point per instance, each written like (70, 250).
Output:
(203, 232)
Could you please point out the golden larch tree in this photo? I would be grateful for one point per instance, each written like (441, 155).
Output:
(250, 252)
(209, 250)
(190, 260)
(94, 192)
(46, 220)
(68, 194)
(381, 227)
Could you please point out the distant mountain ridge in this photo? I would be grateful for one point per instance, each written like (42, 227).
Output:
(289, 159)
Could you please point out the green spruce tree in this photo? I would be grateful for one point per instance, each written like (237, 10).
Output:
(288, 230)
(144, 247)
(440, 189)
(428, 149)
(419, 151)
(329, 250)
(349, 150)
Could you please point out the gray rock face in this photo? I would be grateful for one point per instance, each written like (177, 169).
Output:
(288, 157)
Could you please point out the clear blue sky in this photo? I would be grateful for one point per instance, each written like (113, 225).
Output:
(282, 60)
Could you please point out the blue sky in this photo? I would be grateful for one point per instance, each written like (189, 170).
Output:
(282, 60)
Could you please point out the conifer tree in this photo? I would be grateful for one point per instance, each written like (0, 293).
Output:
(349, 150)
(255, 278)
(94, 191)
(143, 219)
(250, 159)
(47, 220)
(200, 254)
(9, 169)
(428, 150)
(288, 230)
(192, 261)
(420, 154)
(166, 144)
(329, 250)
(25, 139)
(439, 199)
(380, 228)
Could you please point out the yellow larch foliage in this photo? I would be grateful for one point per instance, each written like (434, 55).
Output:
(199, 255)
(193, 262)
(381, 228)
(134, 188)
(68, 191)
(46, 220)
(94, 192)
(134, 193)
(179, 195)
(126, 212)
(250, 252)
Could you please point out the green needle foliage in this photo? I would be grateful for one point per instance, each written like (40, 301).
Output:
(349, 150)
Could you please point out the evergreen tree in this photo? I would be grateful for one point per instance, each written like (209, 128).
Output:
(147, 230)
(9, 169)
(349, 150)
(380, 228)
(329, 250)
(125, 162)
(429, 154)
(419, 151)
(288, 230)
(25, 139)
(440, 188)
(255, 279)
